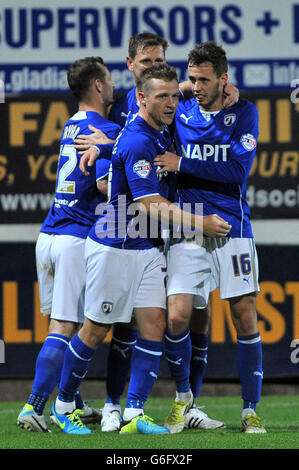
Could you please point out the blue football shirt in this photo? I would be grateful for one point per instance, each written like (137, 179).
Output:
(76, 196)
(125, 108)
(122, 112)
(132, 177)
(217, 155)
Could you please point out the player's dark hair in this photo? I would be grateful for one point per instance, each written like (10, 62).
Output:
(82, 72)
(141, 41)
(160, 71)
(209, 52)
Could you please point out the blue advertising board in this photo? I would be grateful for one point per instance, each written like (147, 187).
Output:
(38, 42)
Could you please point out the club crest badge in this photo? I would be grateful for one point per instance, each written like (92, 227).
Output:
(107, 307)
(229, 119)
(142, 168)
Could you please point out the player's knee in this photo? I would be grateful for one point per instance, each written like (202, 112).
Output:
(92, 334)
(177, 326)
(178, 321)
(247, 323)
(244, 316)
(61, 327)
(179, 315)
(153, 329)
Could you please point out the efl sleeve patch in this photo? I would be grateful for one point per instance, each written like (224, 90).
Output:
(248, 141)
(142, 168)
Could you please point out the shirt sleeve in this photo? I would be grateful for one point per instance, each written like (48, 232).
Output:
(140, 170)
(102, 168)
(240, 155)
(104, 151)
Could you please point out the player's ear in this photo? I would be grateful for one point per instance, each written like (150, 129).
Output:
(141, 97)
(98, 85)
(130, 63)
(224, 79)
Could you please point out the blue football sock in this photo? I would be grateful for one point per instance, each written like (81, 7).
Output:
(178, 351)
(119, 361)
(199, 360)
(146, 358)
(47, 370)
(79, 401)
(76, 362)
(249, 357)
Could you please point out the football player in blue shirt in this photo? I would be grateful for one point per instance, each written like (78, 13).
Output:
(145, 50)
(123, 241)
(216, 148)
(60, 245)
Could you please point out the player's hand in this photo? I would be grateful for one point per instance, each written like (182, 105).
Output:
(231, 95)
(84, 142)
(167, 162)
(88, 159)
(215, 226)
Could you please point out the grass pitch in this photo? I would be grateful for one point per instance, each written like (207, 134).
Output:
(279, 415)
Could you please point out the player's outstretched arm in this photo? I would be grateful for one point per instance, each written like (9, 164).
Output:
(224, 172)
(88, 159)
(170, 214)
(215, 226)
(83, 142)
(102, 186)
(186, 89)
(231, 93)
